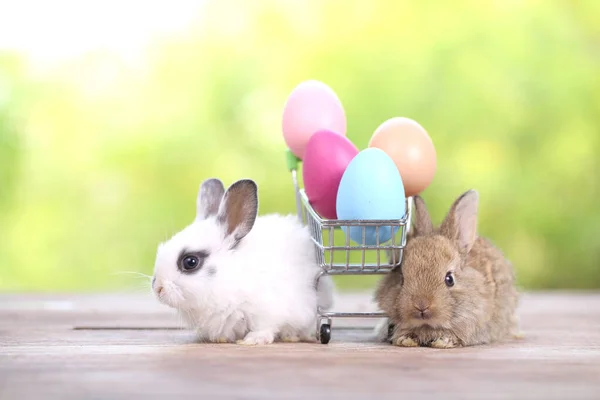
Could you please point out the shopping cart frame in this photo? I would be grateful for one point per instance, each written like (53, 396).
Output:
(323, 230)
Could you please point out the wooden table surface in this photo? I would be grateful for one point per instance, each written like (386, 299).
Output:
(119, 346)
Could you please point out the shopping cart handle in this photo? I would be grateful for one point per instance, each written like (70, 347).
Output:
(291, 160)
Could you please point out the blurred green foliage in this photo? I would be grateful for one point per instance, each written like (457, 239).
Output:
(101, 157)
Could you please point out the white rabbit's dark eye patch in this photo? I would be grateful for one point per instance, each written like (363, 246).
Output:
(190, 262)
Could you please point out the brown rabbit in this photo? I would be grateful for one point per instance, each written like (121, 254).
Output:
(453, 288)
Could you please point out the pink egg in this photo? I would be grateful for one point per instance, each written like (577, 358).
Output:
(325, 160)
(312, 106)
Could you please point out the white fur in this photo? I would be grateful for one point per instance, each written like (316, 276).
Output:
(260, 291)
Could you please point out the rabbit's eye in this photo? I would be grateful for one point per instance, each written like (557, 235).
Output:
(191, 262)
(449, 279)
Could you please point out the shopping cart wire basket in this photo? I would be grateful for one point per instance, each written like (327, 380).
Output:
(337, 254)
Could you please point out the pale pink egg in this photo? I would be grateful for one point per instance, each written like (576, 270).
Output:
(312, 106)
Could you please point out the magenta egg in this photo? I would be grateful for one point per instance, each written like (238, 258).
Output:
(326, 157)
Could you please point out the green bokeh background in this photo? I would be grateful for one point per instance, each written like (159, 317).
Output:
(101, 158)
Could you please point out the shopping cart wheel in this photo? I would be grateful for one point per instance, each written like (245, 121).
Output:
(325, 333)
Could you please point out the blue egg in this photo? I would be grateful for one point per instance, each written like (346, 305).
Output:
(371, 189)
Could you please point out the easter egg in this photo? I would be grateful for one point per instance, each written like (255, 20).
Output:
(411, 148)
(326, 157)
(312, 106)
(371, 189)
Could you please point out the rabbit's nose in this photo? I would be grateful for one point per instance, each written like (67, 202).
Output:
(421, 305)
(423, 310)
(158, 289)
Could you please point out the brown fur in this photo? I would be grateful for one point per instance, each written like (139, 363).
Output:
(480, 307)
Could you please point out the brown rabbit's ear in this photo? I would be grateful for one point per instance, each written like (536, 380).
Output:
(421, 220)
(209, 197)
(460, 224)
(239, 208)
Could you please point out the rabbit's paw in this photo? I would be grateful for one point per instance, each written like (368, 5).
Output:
(444, 342)
(295, 336)
(213, 340)
(404, 341)
(258, 338)
(308, 337)
(290, 339)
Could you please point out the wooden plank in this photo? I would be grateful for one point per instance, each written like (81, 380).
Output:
(43, 356)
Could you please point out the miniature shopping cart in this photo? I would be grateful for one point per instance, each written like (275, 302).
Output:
(337, 255)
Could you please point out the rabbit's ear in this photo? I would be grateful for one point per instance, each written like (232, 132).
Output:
(421, 221)
(239, 208)
(209, 197)
(460, 224)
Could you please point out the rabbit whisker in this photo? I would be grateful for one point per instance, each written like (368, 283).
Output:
(139, 274)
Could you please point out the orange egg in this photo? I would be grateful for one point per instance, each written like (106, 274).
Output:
(411, 148)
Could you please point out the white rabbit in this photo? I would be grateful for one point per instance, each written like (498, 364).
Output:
(236, 277)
